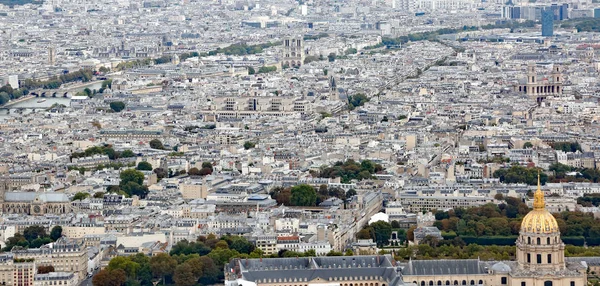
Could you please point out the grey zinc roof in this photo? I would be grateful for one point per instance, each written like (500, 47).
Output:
(595, 260)
(501, 267)
(443, 267)
(326, 268)
(326, 274)
(30, 196)
(19, 196)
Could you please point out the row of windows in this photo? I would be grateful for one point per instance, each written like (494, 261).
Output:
(539, 258)
(547, 283)
(539, 240)
(464, 282)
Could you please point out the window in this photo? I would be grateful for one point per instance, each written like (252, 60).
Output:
(523, 283)
(504, 282)
(539, 241)
(528, 257)
(539, 259)
(548, 240)
(572, 283)
(549, 258)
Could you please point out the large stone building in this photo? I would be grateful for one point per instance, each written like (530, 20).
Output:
(66, 255)
(538, 87)
(373, 270)
(540, 261)
(69, 258)
(34, 203)
(293, 52)
(245, 107)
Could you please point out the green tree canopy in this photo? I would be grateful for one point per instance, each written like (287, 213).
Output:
(127, 154)
(80, 196)
(520, 174)
(144, 166)
(56, 232)
(249, 145)
(382, 231)
(303, 195)
(163, 265)
(131, 175)
(117, 106)
(156, 144)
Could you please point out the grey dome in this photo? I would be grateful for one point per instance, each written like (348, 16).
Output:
(500, 267)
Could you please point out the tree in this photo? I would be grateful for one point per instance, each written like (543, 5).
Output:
(207, 165)
(131, 175)
(80, 196)
(303, 195)
(144, 166)
(281, 195)
(331, 57)
(156, 144)
(185, 248)
(109, 278)
(131, 183)
(88, 92)
(350, 193)
(205, 171)
(127, 154)
(135, 189)
(527, 145)
(194, 172)
(364, 233)
(249, 145)
(222, 255)
(211, 271)
(184, 275)
(239, 244)
(382, 230)
(267, 69)
(395, 224)
(125, 264)
(35, 231)
(162, 265)
(4, 98)
(99, 195)
(43, 269)
(251, 70)
(519, 174)
(56, 233)
(117, 106)
(160, 173)
(334, 253)
(410, 233)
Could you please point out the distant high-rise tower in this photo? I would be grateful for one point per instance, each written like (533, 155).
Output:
(547, 22)
(51, 56)
(293, 52)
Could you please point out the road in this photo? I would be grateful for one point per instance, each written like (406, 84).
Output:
(88, 280)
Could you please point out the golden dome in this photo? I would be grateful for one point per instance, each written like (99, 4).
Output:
(539, 220)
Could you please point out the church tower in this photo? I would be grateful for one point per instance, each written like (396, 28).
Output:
(539, 247)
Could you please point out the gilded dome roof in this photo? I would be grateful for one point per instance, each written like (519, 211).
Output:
(539, 220)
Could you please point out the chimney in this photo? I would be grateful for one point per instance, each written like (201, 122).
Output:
(377, 260)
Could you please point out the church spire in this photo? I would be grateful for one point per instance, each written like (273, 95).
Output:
(538, 197)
